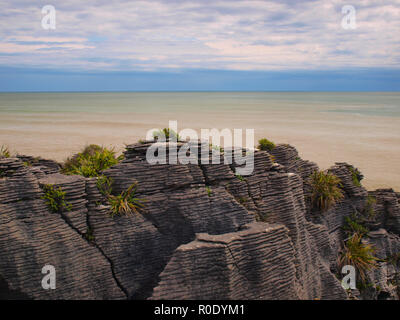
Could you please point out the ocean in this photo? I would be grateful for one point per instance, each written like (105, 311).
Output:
(361, 128)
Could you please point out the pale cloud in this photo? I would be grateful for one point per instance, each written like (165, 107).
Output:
(239, 35)
(43, 39)
(23, 48)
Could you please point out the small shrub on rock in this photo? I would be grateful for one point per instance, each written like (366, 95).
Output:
(126, 202)
(4, 152)
(55, 199)
(325, 190)
(356, 176)
(89, 235)
(369, 210)
(359, 255)
(91, 161)
(354, 224)
(104, 185)
(165, 134)
(265, 145)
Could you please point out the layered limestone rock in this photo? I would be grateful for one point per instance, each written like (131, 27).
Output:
(288, 156)
(385, 279)
(39, 166)
(387, 210)
(32, 237)
(256, 262)
(177, 206)
(206, 232)
(75, 197)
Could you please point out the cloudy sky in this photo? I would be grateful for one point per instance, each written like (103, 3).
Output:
(199, 45)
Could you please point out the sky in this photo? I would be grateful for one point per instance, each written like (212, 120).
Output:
(118, 45)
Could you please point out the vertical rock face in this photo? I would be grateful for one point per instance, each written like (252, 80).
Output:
(74, 187)
(386, 276)
(288, 156)
(205, 231)
(254, 263)
(32, 237)
(387, 209)
(177, 207)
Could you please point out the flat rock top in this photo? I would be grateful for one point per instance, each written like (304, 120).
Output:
(251, 228)
(58, 178)
(377, 233)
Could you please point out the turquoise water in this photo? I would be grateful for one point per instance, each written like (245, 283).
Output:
(360, 103)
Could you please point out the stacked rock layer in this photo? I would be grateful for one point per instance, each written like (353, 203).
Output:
(205, 231)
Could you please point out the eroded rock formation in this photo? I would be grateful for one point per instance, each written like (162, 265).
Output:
(205, 233)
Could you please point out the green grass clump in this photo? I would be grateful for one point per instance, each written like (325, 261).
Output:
(240, 177)
(325, 190)
(209, 192)
(165, 134)
(354, 224)
(126, 202)
(30, 163)
(359, 255)
(89, 235)
(55, 199)
(217, 148)
(104, 185)
(4, 152)
(356, 176)
(265, 144)
(91, 161)
(369, 207)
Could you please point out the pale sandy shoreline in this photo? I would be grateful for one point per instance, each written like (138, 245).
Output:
(372, 143)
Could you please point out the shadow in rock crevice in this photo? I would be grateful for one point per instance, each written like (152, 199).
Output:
(8, 294)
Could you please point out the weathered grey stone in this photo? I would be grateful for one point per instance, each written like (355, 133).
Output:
(387, 209)
(254, 263)
(32, 237)
(204, 232)
(385, 278)
(75, 197)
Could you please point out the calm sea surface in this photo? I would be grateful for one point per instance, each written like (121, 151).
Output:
(362, 103)
(359, 128)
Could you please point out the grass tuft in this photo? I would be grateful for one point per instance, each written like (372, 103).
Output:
(209, 191)
(165, 134)
(55, 199)
(243, 200)
(359, 255)
(325, 190)
(91, 161)
(89, 236)
(265, 144)
(126, 202)
(4, 152)
(104, 185)
(354, 224)
(369, 210)
(356, 176)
